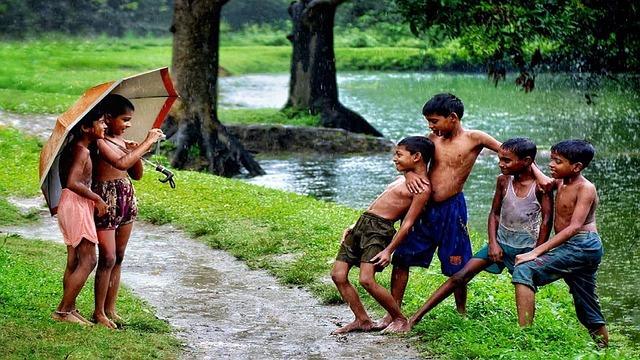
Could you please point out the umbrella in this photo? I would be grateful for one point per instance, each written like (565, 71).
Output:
(152, 95)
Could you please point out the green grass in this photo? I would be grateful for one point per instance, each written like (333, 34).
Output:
(296, 238)
(31, 287)
(47, 76)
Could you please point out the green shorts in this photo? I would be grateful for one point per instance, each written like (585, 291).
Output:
(370, 235)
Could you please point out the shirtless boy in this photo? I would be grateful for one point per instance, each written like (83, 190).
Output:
(370, 242)
(520, 219)
(75, 214)
(575, 251)
(443, 223)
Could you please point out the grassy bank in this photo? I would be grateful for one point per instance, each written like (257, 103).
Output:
(47, 76)
(295, 238)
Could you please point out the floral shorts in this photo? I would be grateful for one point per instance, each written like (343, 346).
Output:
(120, 197)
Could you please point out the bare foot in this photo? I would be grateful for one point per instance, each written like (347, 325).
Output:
(104, 321)
(65, 316)
(382, 324)
(76, 313)
(355, 326)
(115, 318)
(399, 326)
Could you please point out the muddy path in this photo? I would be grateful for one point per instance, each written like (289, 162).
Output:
(221, 309)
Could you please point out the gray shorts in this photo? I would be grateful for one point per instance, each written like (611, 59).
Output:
(370, 235)
(576, 261)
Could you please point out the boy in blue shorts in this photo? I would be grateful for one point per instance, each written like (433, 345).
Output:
(443, 223)
(575, 251)
(520, 219)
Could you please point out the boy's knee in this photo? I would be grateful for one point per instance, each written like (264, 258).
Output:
(339, 276)
(460, 278)
(107, 261)
(367, 282)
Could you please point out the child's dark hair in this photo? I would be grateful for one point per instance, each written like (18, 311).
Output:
(421, 144)
(521, 147)
(87, 121)
(116, 105)
(575, 150)
(443, 105)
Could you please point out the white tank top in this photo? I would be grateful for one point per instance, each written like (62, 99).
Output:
(521, 214)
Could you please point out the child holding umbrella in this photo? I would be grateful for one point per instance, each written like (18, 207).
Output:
(111, 180)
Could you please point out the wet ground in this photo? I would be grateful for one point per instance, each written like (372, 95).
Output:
(220, 308)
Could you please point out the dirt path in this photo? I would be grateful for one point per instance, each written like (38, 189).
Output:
(222, 310)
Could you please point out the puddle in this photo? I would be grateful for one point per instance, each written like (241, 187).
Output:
(223, 310)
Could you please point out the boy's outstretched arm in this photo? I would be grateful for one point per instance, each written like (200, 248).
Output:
(418, 203)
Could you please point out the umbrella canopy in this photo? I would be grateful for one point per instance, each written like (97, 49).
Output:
(151, 93)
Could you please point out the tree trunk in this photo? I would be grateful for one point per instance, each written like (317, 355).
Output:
(196, 32)
(313, 86)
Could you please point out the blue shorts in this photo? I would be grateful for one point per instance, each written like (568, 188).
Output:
(576, 261)
(442, 225)
(508, 252)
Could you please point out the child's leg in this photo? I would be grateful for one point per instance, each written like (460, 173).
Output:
(455, 282)
(122, 239)
(340, 276)
(106, 261)
(85, 253)
(525, 304)
(382, 295)
(399, 281)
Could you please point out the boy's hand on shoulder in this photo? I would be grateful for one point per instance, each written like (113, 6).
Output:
(416, 183)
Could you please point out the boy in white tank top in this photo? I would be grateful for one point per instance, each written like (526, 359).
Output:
(520, 219)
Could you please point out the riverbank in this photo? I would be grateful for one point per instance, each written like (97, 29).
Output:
(293, 237)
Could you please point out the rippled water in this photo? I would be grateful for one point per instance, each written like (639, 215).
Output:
(393, 102)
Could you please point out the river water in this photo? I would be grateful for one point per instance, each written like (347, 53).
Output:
(555, 111)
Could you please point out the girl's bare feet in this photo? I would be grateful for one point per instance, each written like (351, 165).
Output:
(355, 326)
(115, 318)
(66, 316)
(101, 319)
(76, 313)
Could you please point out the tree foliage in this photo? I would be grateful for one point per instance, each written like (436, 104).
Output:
(19, 18)
(581, 36)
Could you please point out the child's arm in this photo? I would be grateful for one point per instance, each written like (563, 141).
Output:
(487, 140)
(418, 203)
(137, 170)
(75, 183)
(546, 210)
(495, 251)
(416, 183)
(124, 162)
(546, 183)
(586, 196)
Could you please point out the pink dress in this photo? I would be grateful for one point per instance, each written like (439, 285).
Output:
(75, 218)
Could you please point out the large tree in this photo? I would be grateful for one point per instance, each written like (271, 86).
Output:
(196, 35)
(313, 86)
(579, 36)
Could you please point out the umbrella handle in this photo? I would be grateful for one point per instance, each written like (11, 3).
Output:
(168, 174)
